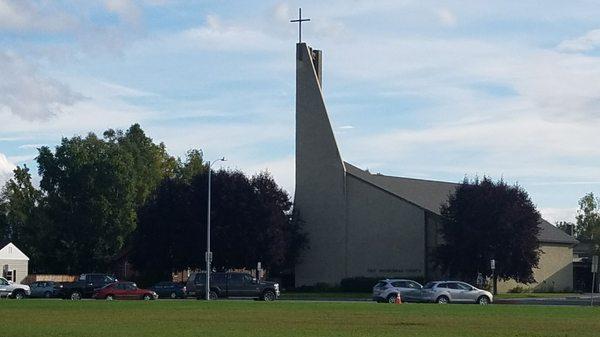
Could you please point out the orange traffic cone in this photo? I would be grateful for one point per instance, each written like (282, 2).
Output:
(398, 299)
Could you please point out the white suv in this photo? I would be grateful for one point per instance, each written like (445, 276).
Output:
(387, 290)
(13, 290)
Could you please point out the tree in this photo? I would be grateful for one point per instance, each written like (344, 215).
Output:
(193, 165)
(486, 220)
(22, 219)
(151, 162)
(90, 192)
(566, 226)
(165, 234)
(588, 219)
(250, 222)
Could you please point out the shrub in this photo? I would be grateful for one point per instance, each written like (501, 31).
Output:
(517, 290)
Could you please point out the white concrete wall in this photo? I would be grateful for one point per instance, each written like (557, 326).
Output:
(386, 235)
(319, 195)
(554, 272)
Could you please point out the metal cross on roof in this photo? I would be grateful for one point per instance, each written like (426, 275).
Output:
(300, 20)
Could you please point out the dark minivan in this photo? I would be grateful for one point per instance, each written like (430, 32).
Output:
(231, 284)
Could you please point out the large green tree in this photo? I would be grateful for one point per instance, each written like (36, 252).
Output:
(486, 220)
(92, 190)
(90, 197)
(251, 222)
(587, 227)
(22, 218)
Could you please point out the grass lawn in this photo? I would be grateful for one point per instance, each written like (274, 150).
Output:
(323, 295)
(536, 295)
(249, 318)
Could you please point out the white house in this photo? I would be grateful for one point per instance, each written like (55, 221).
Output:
(14, 263)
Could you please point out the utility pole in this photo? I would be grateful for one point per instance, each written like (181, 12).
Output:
(208, 255)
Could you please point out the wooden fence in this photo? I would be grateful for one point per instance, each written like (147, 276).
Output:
(49, 277)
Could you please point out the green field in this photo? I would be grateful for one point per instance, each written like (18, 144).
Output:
(251, 318)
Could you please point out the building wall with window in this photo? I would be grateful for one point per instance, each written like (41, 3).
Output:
(14, 263)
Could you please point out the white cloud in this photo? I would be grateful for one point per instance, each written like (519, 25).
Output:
(446, 17)
(26, 93)
(587, 42)
(6, 169)
(26, 15)
(554, 215)
(127, 10)
(217, 35)
(282, 170)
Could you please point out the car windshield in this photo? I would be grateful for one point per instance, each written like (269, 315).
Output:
(429, 285)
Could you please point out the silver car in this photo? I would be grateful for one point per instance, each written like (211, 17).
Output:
(456, 292)
(387, 290)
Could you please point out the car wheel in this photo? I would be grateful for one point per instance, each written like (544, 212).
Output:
(443, 300)
(75, 296)
(483, 300)
(391, 298)
(147, 297)
(268, 296)
(19, 295)
(47, 294)
(173, 295)
(213, 295)
(110, 297)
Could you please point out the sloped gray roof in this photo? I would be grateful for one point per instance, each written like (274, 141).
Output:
(431, 195)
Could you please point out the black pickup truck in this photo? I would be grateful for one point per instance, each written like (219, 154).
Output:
(85, 286)
(231, 284)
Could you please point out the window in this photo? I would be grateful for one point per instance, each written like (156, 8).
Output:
(200, 278)
(413, 285)
(236, 280)
(399, 284)
(429, 285)
(96, 279)
(248, 279)
(218, 279)
(463, 286)
(121, 286)
(443, 285)
(381, 284)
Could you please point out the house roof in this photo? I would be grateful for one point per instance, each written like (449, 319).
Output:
(11, 252)
(431, 195)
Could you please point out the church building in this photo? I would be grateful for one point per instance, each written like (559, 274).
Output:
(373, 225)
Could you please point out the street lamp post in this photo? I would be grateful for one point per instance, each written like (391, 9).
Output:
(208, 255)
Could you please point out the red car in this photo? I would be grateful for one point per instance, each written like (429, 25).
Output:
(124, 291)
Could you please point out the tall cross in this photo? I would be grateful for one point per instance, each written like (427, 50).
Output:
(300, 20)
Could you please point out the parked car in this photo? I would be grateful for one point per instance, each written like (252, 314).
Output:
(45, 289)
(169, 290)
(14, 290)
(124, 291)
(454, 291)
(231, 284)
(85, 286)
(387, 290)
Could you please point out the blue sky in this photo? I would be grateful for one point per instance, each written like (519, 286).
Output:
(425, 89)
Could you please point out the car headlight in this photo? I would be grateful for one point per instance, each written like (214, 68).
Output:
(276, 286)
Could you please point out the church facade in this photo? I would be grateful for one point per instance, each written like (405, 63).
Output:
(372, 225)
